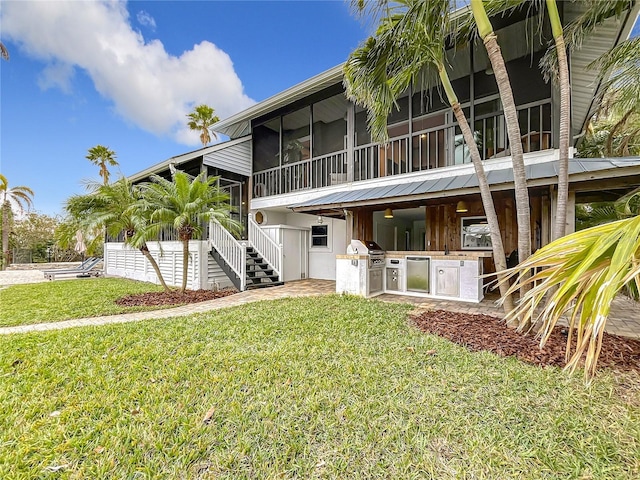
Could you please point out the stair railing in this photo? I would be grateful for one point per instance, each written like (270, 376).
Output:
(234, 253)
(268, 249)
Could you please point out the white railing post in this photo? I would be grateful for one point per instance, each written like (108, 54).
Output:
(243, 267)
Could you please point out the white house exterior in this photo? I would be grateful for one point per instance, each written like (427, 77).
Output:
(307, 179)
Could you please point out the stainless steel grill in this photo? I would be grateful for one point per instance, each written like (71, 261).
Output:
(375, 262)
(368, 247)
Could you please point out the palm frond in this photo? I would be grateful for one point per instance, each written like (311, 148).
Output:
(407, 40)
(578, 276)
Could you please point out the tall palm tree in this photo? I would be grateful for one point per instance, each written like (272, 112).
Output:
(102, 156)
(183, 204)
(115, 206)
(201, 120)
(490, 39)
(408, 45)
(16, 199)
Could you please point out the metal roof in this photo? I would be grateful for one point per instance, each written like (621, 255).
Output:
(546, 173)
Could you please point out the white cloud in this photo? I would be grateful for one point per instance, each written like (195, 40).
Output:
(148, 86)
(146, 20)
(58, 75)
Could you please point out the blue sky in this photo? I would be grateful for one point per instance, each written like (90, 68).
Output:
(124, 74)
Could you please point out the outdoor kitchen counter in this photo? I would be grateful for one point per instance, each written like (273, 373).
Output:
(455, 275)
(440, 255)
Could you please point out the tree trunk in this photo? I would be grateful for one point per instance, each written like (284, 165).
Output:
(499, 257)
(145, 251)
(515, 143)
(5, 235)
(565, 121)
(185, 264)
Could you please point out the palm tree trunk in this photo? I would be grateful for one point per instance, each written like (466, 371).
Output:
(499, 257)
(185, 264)
(145, 251)
(5, 235)
(565, 121)
(515, 142)
(485, 29)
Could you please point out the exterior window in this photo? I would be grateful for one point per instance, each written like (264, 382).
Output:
(475, 234)
(319, 235)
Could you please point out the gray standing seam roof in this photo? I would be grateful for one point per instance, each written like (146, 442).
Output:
(459, 182)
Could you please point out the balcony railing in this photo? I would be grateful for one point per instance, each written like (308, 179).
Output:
(316, 172)
(434, 147)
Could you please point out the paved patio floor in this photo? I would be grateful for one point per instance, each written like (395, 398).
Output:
(624, 319)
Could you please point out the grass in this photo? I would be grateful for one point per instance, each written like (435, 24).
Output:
(327, 387)
(63, 300)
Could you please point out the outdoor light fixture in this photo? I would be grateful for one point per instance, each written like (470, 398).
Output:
(320, 220)
(461, 207)
(388, 213)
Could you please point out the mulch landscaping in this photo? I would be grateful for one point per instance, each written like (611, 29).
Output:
(484, 332)
(174, 297)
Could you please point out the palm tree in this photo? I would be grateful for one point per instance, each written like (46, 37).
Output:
(183, 204)
(201, 120)
(4, 52)
(102, 156)
(490, 39)
(408, 43)
(115, 207)
(579, 275)
(16, 199)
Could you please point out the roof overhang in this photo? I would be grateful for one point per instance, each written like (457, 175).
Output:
(538, 175)
(180, 159)
(240, 123)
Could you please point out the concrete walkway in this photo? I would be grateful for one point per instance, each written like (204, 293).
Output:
(624, 319)
(301, 288)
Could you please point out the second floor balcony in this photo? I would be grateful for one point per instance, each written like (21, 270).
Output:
(424, 143)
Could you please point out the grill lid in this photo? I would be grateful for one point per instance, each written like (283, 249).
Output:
(366, 247)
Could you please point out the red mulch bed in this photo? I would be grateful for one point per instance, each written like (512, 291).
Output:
(484, 332)
(173, 297)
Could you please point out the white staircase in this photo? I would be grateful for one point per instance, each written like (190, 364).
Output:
(253, 263)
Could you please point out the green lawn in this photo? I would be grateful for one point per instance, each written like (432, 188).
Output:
(62, 300)
(326, 387)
